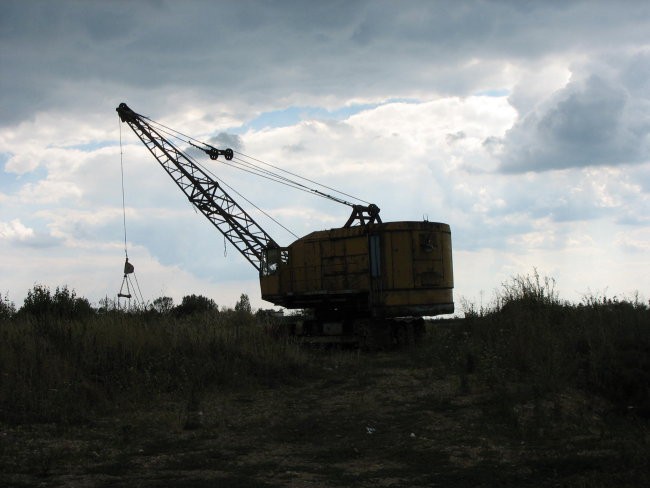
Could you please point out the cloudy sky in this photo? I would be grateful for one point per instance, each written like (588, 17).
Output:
(523, 124)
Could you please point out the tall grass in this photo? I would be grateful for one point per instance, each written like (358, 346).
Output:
(527, 345)
(67, 370)
(532, 339)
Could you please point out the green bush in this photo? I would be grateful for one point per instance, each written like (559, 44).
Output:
(64, 303)
(193, 304)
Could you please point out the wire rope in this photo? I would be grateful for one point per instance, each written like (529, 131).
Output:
(303, 178)
(123, 198)
(271, 177)
(139, 291)
(139, 299)
(283, 181)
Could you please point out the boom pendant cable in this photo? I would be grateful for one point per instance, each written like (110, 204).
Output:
(302, 178)
(257, 169)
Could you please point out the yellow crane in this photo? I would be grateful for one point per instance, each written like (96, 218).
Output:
(368, 282)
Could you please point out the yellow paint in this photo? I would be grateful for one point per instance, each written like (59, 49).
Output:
(333, 268)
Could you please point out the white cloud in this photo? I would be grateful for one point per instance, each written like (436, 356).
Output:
(97, 272)
(15, 230)
(49, 192)
(22, 163)
(523, 125)
(636, 241)
(18, 235)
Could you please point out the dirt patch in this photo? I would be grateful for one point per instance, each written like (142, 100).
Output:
(367, 421)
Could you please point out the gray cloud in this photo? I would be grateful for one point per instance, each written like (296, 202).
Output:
(599, 118)
(256, 56)
(225, 140)
(251, 67)
(451, 138)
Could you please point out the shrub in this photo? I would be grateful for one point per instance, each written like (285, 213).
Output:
(615, 350)
(192, 304)
(163, 305)
(527, 291)
(64, 303)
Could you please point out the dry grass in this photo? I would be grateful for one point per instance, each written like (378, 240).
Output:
(64, 370)
(531, 391)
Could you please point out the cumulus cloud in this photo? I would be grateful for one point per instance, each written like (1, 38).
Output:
(247, 57)
(15, 232)
(598, 118)
(225, 140)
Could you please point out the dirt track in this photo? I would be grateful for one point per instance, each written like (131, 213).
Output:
(368, 421)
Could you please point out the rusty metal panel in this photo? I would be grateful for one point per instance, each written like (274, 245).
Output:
(297, 265)
(427, 259)
(270, 285)
(305, 265)
(356, 245)
(417, 297)
(334, 272)
(312, 266)
(345, 263)
(402, 256)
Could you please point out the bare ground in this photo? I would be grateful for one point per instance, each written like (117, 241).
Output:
(366, 421)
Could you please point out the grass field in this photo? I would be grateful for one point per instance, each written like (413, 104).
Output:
(528, 392)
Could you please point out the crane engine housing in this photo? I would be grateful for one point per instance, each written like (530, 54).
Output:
(392, 269)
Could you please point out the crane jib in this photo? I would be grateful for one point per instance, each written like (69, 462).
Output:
(203, 191)
(209, 197)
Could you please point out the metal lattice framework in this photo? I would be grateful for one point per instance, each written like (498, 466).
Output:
(205, 193)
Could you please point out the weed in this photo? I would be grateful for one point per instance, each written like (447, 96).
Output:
(61, 362)
(531, 338)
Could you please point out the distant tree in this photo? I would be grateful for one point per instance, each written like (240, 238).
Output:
(38, 301)
(163, 305)
(7, 307)
(244, 304)
(191, 304)
(67, 304)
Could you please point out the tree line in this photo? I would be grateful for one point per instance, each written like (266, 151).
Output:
(64, 303)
